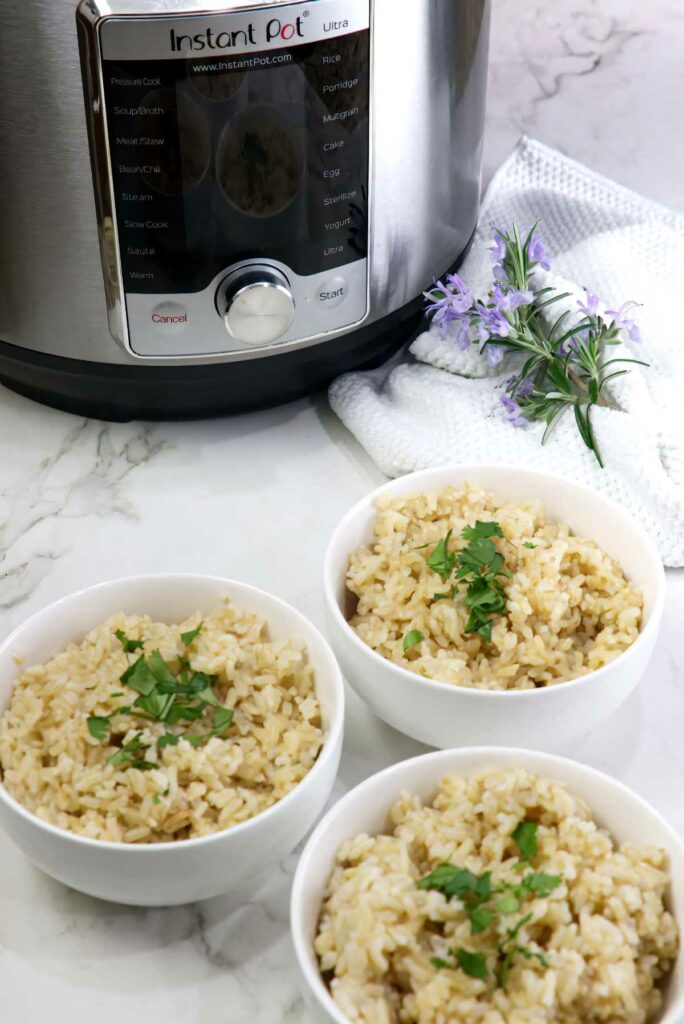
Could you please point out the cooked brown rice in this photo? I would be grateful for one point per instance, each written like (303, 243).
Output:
(55, 768)
(606, 936)
(569, 611)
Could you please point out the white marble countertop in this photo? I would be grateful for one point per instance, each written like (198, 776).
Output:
(255, 497)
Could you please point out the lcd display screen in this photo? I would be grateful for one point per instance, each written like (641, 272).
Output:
(229, 157)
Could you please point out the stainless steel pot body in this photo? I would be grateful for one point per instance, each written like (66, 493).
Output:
(426, 92)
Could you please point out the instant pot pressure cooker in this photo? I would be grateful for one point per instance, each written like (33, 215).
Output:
(209, 206)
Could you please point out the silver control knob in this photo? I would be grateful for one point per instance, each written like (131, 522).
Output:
(256, 305)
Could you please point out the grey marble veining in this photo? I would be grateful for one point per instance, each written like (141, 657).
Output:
(256, 497)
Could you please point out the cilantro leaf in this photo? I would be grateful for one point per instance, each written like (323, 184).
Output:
(181, 710)
(169, 739)
(481, 530)
(525, 838)
(453, 881)
(541, 884)
(128, 645)
(160, 670)
(508, 904)
(139, 677)
(472, 964)
(437, 962)
(529, 953)
(156, 799)
(413, 637)
(529, 544)
(512, 933)
(188, 637)
(480, 919)
(441, 561)
(98, 726)
(222, 719)
(477, 555)
(130, 755)
(155, 704)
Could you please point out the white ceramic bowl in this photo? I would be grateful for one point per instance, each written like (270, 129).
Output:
(365, 809)
(443, 715)
(162, 874)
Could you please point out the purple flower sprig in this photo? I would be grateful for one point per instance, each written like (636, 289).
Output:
(565, 365)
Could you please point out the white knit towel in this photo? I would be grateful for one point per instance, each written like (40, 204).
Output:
(442, 405)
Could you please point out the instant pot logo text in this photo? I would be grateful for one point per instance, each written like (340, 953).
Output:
(275, 29)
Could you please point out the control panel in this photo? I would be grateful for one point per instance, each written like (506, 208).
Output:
(237, 163)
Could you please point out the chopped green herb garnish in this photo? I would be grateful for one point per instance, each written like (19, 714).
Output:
(160, 670)
(98, 727)
(477, 895)
(454, 881)
(478, 567)
(480, 919)
(164, 697)
(512, 933)
(481, 530)
(508, 904)
(222, 719)
(437, 962)
(541, 884)
(130, 755)
(529, 544)
(472, 964)
(128, 645)
(525, 838)
(117, 693)
(169, 739)
(139, 677)
(156, 705)
(441, 561)
(188, 637)
(413, 637)
(156, 799)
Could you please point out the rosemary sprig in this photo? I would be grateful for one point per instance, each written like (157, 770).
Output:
(566, 363)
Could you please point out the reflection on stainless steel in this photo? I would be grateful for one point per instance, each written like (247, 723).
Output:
(214, 87)
(427, 98)
(183, 167)
(260, 161)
